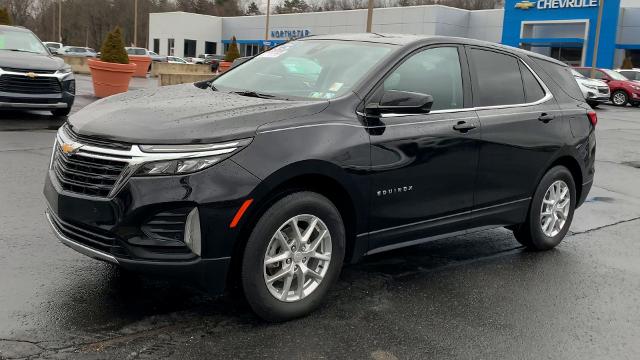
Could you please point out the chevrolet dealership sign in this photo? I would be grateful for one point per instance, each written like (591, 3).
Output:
(557, 4)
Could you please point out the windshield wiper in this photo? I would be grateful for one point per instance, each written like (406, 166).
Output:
(252, 93)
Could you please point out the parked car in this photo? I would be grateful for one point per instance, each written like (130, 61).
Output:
(623, 90)
(157, 58)
(53, 46)
(211, 59)
(594, 91)
(631, 74)
(142, 51)
(30, 77)
(176, 60)
(77, 51)
(275, 184)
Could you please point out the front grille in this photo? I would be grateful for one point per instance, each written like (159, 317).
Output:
(30, 100)
(603, 90)
(93, 238)
(93, 141)
(87, 175)
(167, 225)
(18, 70)
(25, 85)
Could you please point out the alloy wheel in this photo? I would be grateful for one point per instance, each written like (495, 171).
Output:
(619, 98)
(555, 208)
(297, 258)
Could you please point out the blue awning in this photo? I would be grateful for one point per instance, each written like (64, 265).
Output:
(553, 42)
(628, 46)
(257, 42)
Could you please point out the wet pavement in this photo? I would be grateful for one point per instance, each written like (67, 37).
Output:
(474, 296)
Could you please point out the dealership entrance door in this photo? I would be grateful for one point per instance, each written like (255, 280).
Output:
(560, 39)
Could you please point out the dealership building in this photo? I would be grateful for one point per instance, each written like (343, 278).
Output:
(563, 29)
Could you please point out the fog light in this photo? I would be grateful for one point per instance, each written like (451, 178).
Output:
(192, 232)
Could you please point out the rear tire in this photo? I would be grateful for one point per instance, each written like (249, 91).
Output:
(548, 219)
(309, 262)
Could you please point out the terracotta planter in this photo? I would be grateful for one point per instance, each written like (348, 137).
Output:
(143, 62)
(109, 78)
(224, 66)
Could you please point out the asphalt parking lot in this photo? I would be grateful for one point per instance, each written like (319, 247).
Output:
(470, 297)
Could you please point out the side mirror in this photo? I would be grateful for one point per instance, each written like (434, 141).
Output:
(403, 102)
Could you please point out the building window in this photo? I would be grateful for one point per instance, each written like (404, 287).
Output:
(210, 47)
(170, 47)
(189, 48)
(226, 47)
(251, 50)
(156, 46)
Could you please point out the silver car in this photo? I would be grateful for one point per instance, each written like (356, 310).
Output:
(595, 91)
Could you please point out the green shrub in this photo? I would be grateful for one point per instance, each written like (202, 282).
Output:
(233, 52)
(5, 18)
(113, 48)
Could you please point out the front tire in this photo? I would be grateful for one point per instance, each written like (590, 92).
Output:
(293, 256)
(619, 98)
(550, 212)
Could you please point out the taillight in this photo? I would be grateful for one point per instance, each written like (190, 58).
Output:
(593, 117)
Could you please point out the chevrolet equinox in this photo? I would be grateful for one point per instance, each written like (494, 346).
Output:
(317, 153)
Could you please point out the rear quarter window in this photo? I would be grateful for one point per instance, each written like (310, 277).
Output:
(561, 74)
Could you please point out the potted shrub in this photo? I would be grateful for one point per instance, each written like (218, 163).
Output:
(112, 73)
(232, 54)
(143, 62)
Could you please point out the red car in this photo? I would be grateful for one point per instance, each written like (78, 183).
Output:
(623, 90)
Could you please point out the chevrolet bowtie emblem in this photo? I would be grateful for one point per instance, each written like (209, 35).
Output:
(69, 149)
(525, 5)
(31, 75)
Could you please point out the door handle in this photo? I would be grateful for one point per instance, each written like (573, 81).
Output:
(545, 118)
(463, 126)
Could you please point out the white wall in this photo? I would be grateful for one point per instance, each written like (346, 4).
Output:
(180, 26)
(629, 25)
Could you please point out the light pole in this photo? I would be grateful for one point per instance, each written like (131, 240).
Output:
(369, 16)
(596, 43)
(59, 20)
(135, 23)
(266, 25)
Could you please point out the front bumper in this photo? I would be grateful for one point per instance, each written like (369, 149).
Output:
(116, 229)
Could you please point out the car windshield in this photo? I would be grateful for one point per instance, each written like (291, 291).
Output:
(14, 40)
(614, 74)
(308, 69)
(577, 74)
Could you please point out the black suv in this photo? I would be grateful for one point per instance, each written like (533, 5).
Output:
(321, 151)
(30, 77)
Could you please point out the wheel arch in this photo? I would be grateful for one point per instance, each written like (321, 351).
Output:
(324, 178)
(574, 168)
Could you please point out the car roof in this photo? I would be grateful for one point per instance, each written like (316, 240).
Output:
(408, 40)
(15, 28)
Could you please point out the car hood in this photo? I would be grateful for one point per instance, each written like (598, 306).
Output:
(592, 82)
(183, 114)
(29, 61)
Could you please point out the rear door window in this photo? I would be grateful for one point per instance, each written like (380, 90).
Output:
(533, 91)
(497, 78)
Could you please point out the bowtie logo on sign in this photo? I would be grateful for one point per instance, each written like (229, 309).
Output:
(556, 4)
(525, 5)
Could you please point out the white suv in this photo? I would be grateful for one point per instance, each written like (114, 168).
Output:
(595, 91)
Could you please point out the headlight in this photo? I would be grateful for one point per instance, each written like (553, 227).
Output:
(184, 159)
(65, 70)
(591, 86)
